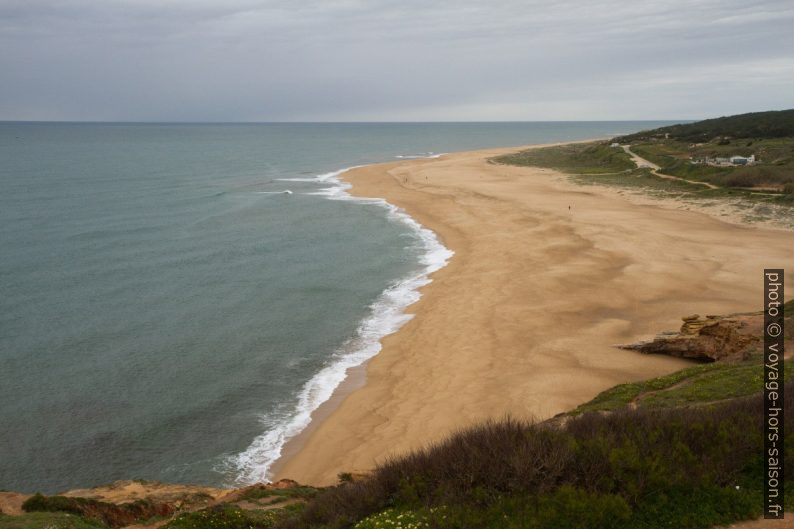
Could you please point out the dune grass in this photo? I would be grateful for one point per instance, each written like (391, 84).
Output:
(574, 158)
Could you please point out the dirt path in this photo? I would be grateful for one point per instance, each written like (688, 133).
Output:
(643, 163)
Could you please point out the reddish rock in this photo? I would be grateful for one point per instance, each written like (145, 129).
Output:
(711, 339)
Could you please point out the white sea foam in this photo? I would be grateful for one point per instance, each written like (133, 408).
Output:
(386, 315)
(314, 179)
(423, 155)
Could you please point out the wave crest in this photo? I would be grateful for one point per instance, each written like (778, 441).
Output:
(386, 316)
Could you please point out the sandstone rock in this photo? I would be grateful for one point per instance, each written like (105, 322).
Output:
(11, 502)
(284, 484)
(693, 326)
(712, 339)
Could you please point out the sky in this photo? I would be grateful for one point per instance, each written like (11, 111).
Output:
(393, 60)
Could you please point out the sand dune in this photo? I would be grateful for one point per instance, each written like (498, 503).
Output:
(523, 319)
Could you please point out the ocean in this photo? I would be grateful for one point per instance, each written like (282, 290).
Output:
(176, 299)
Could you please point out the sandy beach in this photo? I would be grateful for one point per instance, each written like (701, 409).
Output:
(547, 276)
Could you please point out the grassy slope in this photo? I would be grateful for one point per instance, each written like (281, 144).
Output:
(577, 158)
(767, 135)
(775, 170)
(49, 520)
(701, 384)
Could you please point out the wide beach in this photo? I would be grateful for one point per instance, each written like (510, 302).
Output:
(547, 276)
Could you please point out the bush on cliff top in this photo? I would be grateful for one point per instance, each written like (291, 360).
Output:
(225, 517)
(47, 520)
(644, 468)
(110, 514)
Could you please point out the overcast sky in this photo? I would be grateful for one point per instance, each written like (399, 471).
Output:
(393, 60)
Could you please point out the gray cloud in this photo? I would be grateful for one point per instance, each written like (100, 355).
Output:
(268, 60)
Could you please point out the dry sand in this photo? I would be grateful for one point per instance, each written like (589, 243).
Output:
(523, 319)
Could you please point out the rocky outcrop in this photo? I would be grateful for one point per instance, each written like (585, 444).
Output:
(179, 496)
(142, 504)
(108, 514)
(256, 489)
(11, 502)
(709, 339)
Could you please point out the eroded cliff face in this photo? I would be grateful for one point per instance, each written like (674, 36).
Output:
(131, 503)
(709, 339)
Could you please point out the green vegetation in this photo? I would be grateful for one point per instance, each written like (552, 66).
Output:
(279, 494)
(689, 152)
(702, 384)
(82, 513)
(47, 520)
(771, 124)
(571, 508)
(574, 158)
(769, 136)
(109, 514)
(644, 179)
(670, 452)
(774, 170)
(226, 517)
(394, 518)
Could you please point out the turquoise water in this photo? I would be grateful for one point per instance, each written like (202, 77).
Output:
(168, 312)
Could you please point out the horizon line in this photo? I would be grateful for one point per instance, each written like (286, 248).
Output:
(144, 122)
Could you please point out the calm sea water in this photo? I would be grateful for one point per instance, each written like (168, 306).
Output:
(168, 312)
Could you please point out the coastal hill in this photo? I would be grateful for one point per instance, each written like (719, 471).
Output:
(730, 156)
(759, 125)
(681, 450)
(749, 151)
(739, 168)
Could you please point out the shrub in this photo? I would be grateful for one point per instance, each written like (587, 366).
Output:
(108, 513)
(393, 518)
(632, 465)
(257, 493)
(225, 517)
(741, 180)
(47, 520)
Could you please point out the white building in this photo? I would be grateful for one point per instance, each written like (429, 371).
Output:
(741, 160)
